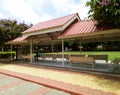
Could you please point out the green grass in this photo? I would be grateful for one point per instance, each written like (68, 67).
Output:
(111, 54)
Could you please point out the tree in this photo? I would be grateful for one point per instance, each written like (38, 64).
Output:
(106, 12)
(10, 29)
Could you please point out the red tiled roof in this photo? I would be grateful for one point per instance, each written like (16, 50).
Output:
(50, 24)
(20, 38)
(83, 27)
(17, 40)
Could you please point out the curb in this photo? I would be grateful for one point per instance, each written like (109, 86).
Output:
(35, 80)
(78, 70)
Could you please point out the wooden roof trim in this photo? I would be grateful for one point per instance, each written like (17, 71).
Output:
(92, 33)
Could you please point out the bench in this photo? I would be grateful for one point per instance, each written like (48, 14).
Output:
(45, 56)
(25, 57)
(79, 59)
(81, 55)
(76, 56)
(66, 56)
(116, 61)
(99, 57)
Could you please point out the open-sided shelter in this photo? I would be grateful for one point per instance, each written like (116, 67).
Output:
(70, 26)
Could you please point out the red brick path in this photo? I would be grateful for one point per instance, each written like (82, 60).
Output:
(73, 89)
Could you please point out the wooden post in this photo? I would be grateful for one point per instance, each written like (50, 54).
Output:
(31, 56)
(62, 52)
(17, 52)
(11, 51)
(52, 46)
(33, 49)
(80, 46)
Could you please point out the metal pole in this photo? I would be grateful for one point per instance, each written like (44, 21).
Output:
(62, 52)
(31, 57)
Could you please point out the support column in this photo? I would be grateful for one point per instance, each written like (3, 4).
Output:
(17, 52)
(52, 46)
(80, 46)
(62, 52)
(31, 47)
(11, 51)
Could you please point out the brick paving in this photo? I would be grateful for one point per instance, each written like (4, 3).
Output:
(14, 86)
(74, 83)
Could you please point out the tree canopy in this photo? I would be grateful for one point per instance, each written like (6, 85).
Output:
(10, 29)
(106, 12)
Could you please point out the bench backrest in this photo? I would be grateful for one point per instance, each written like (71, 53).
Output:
(48, 56)
(99, 57)
(82, 59)
(25, 56)
(81, 55)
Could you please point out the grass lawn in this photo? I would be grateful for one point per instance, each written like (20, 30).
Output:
(6, 54)
(111, 54)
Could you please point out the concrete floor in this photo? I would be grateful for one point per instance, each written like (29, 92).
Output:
(14, 86)
(68, 81)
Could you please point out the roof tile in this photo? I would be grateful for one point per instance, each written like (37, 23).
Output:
(81, 27)
(50, 24)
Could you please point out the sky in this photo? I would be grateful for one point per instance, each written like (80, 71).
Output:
(35, 11)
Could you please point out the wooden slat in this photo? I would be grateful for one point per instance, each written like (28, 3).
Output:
(99, 57)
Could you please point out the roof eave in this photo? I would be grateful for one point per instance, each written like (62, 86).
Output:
(90, 34)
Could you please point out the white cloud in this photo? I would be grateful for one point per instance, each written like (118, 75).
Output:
(61, 6)
(45, 17)
(70, 6)
(2, 15)
(81, 9)
(33, 11)
(21, 10)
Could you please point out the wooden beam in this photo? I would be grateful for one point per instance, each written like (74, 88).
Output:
(31, 52)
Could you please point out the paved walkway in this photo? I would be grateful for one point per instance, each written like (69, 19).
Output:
(14, 86)
(74, 83)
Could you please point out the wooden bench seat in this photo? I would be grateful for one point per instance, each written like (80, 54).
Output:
(45, 56)
(66, 56)
(25, 57)
(99, 57)
(79, 59)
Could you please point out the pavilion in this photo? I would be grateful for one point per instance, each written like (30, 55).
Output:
(62, 28)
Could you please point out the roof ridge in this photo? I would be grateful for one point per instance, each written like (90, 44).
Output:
(57, 18)
(51, 23)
